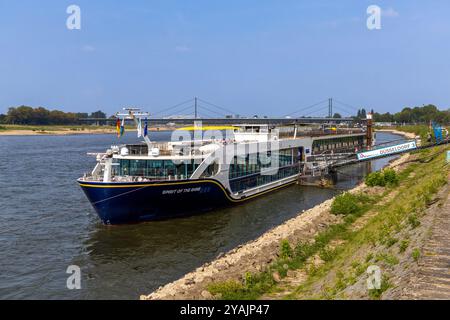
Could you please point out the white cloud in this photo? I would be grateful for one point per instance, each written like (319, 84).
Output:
(389, 12)
(88, 48)
(182, 48)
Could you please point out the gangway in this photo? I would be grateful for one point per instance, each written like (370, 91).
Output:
(328, 162)
(387, 151)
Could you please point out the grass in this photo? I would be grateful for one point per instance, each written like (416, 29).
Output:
(416, 254)
(349, 204)
(392, 216)
(403, 246)
(413, 221)
(375, 294)
(388, 258)
(419, 130)
(286, 250)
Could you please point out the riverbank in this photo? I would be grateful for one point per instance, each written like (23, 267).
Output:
(11, 130)
(322, 255)
(408, 135)
(24, 130)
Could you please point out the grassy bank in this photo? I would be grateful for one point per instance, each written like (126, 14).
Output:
(376, 228)
(418, 130)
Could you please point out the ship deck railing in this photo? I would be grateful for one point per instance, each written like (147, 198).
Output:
(90, 178)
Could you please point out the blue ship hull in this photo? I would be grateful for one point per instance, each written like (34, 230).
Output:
(118, 203)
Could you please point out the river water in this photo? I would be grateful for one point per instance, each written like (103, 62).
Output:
(47, 224)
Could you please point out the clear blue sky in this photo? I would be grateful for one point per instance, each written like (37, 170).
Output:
(253, 56)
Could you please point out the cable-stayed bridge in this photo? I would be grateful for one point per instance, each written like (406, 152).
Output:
(197, 109)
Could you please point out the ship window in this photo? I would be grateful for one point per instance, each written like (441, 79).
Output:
(137, 168)
(169, 168)
(124, 167)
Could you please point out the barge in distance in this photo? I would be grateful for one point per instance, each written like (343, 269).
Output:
(154, 180)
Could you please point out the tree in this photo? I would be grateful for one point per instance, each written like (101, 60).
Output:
(363, 113)
(98, 114)
(337, 116)
(42, 116)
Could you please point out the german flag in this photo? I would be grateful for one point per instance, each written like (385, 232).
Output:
(118, 128)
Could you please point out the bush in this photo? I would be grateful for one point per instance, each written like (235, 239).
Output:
(345, 203)
(386, 177)
(390, 177)
(375, 179)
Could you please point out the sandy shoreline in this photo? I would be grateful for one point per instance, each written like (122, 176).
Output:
(66, 132)
(255, 255)
(52, 133)
(407, 135)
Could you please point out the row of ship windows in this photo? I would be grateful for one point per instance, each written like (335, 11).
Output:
(245, 183)
(335, 144)
(164, 168)
(253, 163)
(153, 168)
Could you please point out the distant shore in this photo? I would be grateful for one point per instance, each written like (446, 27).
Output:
(10, 130)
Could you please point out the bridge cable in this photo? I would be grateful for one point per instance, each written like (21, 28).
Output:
(306, 108)
(173, 107)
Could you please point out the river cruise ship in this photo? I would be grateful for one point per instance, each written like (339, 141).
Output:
(155, 180)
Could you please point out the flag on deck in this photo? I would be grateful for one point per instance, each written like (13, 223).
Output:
(118, 127)
(139, 129)
(145, 128)
(122, 127)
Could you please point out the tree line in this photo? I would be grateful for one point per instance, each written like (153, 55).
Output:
(40, 116)
(25, 115)
(415, 115)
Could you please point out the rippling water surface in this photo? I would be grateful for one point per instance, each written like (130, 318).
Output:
(47, 224)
